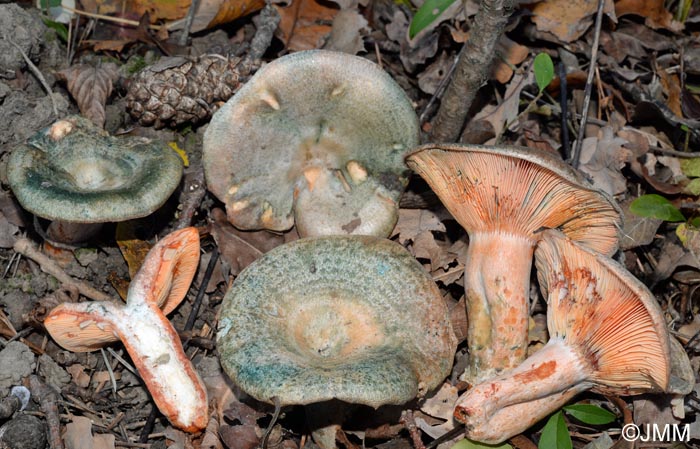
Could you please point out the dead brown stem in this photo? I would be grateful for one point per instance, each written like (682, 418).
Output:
(25, 247)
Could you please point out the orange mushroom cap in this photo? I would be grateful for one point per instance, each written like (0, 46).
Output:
(608, 314)
(607, 333)
(517, 190)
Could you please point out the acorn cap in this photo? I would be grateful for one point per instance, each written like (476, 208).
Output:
(517, 190)
(354, 318)
(605, 314)
(310, 114)
(74, 171)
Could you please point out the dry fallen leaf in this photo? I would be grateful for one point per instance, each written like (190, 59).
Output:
(507, 111)
(133, 249)
(413, 222)
(304, 24)
(637, 231)
(602, 158)
(240, 248)
(346, 32)
(655, 14)
(513, 53)
(91, 87)
(567, 19)
(78, 435)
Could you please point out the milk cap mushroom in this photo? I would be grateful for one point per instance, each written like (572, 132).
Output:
(352, 318)
(315, 138)
(502, 196)
(607, 333)
(75, 172)
(141, 325)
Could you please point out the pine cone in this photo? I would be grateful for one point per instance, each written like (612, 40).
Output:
(178, 90)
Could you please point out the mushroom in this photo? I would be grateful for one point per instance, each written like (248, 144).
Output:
(315, 138)
(141, 325)
(351, 318)
(503, 195)
(74, 173)
(607, 333)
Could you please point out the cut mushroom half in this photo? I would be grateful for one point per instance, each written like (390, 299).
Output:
(502, 196)
(607, 333)
(314, 138)
(141, 325)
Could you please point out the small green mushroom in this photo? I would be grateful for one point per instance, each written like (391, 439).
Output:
(315, 138)
(75, 172)
(352, 318)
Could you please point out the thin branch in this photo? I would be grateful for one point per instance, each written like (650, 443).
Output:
(35, 70)
(589, 86)
(472, 69)
(26, 248)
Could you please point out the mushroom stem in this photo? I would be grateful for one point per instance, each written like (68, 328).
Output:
(157, 352)
(525, 394)
(497, 281)
(516, 418)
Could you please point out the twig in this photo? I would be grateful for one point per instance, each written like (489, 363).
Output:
(564, 111)
(589, 87)
(193, 192)
(439, 91)
(413, 431)
(26, 248)
(472, 69)
(202, 288)
(119, 20)
(188, 22)
(49, 405)
(266, 23)
(35, 70)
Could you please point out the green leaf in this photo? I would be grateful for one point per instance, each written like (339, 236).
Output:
(60, 28)
(426, 14)
(693, 187)
(45, 4)
(590, 414)
(544, 70)
(468, 444)
(555, 434)
(656, 206)
(691, 167)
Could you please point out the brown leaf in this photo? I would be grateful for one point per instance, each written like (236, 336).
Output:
(413, 222)
(565, 19)
(78, 435)
(240, 437)
(637, 231)
(91, 87)
(655, 14)
(603, 157)
(304, 24)
(133, 249)
(346, 32)
(80, 377)
(672, 88)
(240, 248)
(513, 53)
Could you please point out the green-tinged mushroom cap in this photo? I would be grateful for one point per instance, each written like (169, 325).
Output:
(315, 132)
(354, 318)
(74, 171)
